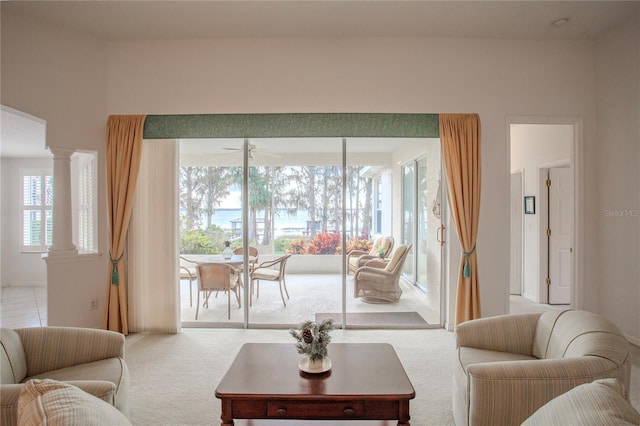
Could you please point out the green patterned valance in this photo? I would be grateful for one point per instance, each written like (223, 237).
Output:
(291, 125)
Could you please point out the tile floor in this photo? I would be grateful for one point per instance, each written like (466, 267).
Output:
(23, 307)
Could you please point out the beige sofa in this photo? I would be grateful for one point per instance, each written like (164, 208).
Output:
(509, 366)
(92, 360)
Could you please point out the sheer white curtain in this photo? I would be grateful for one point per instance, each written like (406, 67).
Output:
(154, 293)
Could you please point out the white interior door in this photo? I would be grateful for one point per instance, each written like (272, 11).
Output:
(515, 270)
(561, 236)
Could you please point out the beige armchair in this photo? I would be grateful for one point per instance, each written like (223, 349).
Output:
(357, 258)
(378, 281)
(508, 366)
(90, 359)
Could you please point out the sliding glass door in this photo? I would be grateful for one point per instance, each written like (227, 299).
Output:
(313, 201)
(422, 207)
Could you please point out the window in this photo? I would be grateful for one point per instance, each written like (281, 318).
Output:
(84, 190)
(37, 209)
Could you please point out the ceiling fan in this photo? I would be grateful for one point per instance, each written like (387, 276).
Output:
(253, 149)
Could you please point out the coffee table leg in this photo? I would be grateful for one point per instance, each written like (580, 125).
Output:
(226, 416)
(403, 414)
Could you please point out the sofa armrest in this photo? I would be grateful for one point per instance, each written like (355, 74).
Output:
(503, 333)
(586, 368)
(509, 392)
(52, 348)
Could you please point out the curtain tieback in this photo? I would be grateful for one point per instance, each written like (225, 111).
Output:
(466, 273)
(114, 273)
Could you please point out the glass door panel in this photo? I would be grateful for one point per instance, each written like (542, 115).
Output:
(422, 200)
(295, 197)
(210, 203)
(408, 216)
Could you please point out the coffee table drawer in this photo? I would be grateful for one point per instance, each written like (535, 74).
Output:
(323, 410)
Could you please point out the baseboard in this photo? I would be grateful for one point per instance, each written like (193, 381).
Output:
(24, 284)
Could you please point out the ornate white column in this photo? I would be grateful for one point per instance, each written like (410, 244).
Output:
(62, 207)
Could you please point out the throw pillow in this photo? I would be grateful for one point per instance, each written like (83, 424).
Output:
(53, 403)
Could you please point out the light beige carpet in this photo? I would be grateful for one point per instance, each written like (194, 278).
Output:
(174, 377)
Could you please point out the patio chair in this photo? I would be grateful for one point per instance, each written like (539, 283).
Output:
(273, 270)
(214, 277)
(253, 256)
(378, 281)
(188, 272)
(357, 258)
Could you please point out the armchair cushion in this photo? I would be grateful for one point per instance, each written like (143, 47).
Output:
(52, 403)
(396, 257)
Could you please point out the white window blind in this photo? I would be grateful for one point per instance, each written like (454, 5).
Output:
(85, 186)
(37, 209)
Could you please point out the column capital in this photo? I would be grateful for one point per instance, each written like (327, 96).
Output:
(61, 151)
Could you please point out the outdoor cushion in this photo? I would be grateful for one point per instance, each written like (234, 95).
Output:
(395, 258)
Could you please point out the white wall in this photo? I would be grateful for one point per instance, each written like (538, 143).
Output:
(371, 75)
(60, 76)
(18, 268)
(534, 146)
(616, 212)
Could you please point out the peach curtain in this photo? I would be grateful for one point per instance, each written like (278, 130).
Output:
(124, 151)
(460, 137)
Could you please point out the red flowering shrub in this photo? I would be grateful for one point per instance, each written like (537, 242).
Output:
(359, 244)
(297, 247)
(325, 243)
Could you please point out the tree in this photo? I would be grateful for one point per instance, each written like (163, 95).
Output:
(214, 184)
(188, 183)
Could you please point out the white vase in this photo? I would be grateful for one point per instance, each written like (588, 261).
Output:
(315, 365)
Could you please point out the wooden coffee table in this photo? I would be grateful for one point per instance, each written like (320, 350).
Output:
(366, 382)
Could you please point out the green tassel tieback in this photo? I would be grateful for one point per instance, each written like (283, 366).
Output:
(114, 273)
(466, 273)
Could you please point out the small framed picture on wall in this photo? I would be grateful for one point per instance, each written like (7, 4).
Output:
(530, 205)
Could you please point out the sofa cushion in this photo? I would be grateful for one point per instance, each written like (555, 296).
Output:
(49, 402)
(13, 363)
(599, 403)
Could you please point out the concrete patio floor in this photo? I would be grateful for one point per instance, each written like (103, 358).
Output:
(309, 294)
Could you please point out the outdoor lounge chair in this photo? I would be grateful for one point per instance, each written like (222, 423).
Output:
(357, 258)
(378, 281)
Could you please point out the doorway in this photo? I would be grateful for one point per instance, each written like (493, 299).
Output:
(543, 232)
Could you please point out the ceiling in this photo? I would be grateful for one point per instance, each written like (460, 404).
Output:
(21, 135)
(163, 20)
